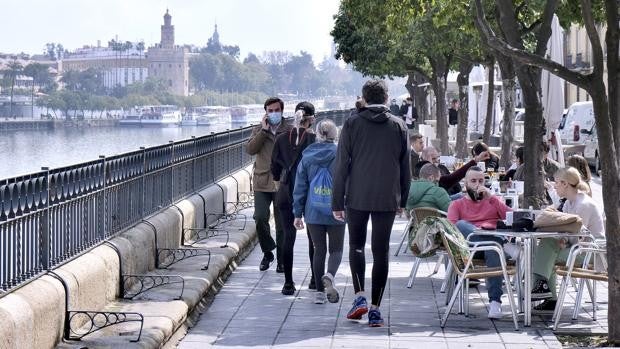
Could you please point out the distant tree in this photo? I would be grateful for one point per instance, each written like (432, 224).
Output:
(50, 50)
(40, 75)
(89, 81)
(11, 72)
(251, 59)
(231, 50)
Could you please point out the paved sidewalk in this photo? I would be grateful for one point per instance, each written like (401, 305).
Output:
(250, 311)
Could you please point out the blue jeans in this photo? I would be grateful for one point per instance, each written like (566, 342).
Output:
(491, 258)
(456, 196)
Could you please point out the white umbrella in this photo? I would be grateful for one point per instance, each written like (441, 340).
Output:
(553, 89)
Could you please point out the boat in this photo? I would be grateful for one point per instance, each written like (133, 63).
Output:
(212, 115)
(153, 115)
(247, 114)
(189, 119)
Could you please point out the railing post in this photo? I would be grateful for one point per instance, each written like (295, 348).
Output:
(171, 143)
(194, 151)
(143, 182)
(45, 224)
(105, 199)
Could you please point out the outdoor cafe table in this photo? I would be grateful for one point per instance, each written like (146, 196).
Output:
(529, 241)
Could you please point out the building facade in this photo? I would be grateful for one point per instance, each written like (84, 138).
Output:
(169, 62)
(120, 65)
(578, 57)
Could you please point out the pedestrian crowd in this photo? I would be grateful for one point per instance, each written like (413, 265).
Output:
(323, 179)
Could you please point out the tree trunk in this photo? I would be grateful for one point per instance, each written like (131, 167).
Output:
(410, 85)
(440, 69)
(421, 103)
(529, 79)
(488, 121)
(612, 40)
(463, 119)
(507, 69)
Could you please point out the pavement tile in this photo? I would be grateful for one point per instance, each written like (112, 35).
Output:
(251, 312)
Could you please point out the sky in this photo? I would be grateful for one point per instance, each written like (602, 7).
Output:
(255, 25)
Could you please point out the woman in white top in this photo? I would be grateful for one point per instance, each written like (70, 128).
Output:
(568, 185)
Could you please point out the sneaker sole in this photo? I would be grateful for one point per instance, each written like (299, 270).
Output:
(357, 313)
(541, 296)
(330, 291)
(375, 325)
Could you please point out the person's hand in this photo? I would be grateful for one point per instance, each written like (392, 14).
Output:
(298, 223)
(485, 155)
(483, 192)
(265, 123)
(277, 184)
(339, 215)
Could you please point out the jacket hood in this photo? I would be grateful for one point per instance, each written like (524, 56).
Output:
(378, 114)
(320, 153)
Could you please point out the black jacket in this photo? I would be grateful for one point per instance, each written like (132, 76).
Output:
(284, 152)
(372, 163)
(453, 116)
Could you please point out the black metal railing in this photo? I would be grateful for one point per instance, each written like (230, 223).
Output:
(50, 216)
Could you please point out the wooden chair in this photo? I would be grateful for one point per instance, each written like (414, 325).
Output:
(461, 254)
(588, 274)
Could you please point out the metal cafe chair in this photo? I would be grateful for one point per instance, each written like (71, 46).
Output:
(461, 254)
(588, 274)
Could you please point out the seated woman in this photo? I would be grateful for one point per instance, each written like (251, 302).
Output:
(549, 252)
(517, 173)
(581, 164)
(492, 161)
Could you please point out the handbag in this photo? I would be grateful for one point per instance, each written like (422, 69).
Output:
(549, 220)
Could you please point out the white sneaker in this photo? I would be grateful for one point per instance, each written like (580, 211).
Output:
(495, 310)
(319, 298)
(330, 290)
(512, 250)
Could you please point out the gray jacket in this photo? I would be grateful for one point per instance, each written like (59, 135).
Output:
(372, 163)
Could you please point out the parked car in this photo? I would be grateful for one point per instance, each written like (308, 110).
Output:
(590, 152)
(580, 116)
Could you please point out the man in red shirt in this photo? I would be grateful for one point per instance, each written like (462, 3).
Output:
(481, 209)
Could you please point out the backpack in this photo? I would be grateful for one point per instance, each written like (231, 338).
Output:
(320, 192)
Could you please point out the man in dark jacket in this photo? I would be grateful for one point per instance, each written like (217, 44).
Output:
(260, 145)
(416, 141)
(284, 160)
(394, 108)
(453, 113)
(372, 171)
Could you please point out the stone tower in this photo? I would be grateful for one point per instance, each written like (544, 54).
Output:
(168, 62)
(167, 32)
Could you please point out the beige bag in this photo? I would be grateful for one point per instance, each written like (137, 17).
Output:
(551, 220)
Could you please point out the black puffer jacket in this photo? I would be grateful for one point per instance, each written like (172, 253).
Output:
(372, 162)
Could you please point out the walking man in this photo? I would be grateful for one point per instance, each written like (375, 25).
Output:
(372, 171)
(261, 144)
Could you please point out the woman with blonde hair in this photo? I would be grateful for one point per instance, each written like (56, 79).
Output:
(581, 164)
(549, 252)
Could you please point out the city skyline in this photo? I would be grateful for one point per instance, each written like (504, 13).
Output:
(307, 24)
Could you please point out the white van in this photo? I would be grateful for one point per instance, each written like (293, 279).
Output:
(580, 116)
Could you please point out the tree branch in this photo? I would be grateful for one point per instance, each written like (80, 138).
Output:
(525, 57)
(595, 42)
(544, 30)
(527, 29)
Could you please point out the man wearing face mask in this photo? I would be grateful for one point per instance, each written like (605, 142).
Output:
(481, 209)
(261, 145)
(284, 161)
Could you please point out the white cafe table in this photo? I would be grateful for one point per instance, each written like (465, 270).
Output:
(525, 262)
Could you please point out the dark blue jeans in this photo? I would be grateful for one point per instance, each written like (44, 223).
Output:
(491, 258)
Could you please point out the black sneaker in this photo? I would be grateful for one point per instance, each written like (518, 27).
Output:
(541, 291)
(546, 307)
(474, 282)
(280, 268)
(289, 289)
(312, 284)
(266, 262)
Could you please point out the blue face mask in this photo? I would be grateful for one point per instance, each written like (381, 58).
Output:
(274, 118)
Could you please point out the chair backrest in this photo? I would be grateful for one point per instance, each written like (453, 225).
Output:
(456, 245)
(422, 212)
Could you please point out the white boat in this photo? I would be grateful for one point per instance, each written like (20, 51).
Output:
(189, 119)
(212, 115)
(247, 114)
(153, 115)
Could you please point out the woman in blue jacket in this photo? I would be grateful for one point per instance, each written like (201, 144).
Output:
(312, 200)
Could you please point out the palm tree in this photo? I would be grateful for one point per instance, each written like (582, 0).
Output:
(128, 45)
(38, 72)
(13, 70)
(140, 48)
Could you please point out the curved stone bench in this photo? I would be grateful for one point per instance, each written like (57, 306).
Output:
(34, 315)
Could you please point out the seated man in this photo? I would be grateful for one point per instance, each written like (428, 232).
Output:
(480, 209)
(448, 181)
(424, 192)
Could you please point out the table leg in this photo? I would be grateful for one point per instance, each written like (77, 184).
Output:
(528, 248)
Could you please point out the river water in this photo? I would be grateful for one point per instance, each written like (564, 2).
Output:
(23, 152)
